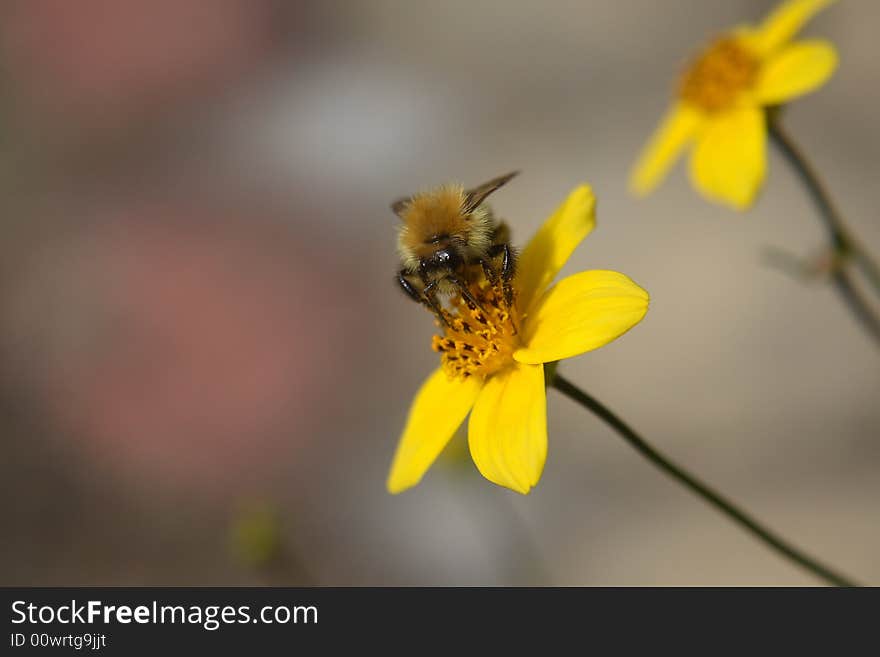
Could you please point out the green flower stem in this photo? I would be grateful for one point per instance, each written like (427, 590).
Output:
(713, 498)
(845, 247)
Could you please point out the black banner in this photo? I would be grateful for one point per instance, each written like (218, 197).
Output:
(126, 621)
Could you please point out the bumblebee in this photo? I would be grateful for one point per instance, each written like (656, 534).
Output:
(447, 238)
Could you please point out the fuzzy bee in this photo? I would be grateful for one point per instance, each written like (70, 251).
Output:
(447, 237)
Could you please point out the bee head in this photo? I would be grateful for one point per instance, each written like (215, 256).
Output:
(446, 256)
(446, 227)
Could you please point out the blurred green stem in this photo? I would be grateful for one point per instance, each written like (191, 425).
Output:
(713, 498)
(845, 247)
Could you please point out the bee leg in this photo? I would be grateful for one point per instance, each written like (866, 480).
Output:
(508, 268)
(427, 296)
(500, 240)
(430, 299)
(408, 287)
(489, 270)
(465, 293)
(508, 261)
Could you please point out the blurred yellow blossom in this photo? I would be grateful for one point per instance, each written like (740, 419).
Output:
(721, 101)
(255, 534)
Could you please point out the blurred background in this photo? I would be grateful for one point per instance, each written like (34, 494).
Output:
(205, 364)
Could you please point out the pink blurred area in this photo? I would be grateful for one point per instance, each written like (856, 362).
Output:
(201, 341)
(91, 62)
(220, 344)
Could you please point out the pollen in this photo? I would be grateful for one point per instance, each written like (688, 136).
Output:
(479, 340)
(719, 75)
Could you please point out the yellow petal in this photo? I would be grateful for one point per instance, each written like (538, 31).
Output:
(729, 162)
(581, 313)
(675, 131)
(507, 432)
(554, 242)
(796, 70)
(783, 23)
(438, 409)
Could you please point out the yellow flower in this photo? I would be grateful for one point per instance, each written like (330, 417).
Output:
(721, 100)
(492, 357)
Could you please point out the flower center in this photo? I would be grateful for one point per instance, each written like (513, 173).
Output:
(478, 340)
(719, 74)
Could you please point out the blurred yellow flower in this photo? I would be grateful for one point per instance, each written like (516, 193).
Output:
(721, 100)
(492, 357)
(255, 536)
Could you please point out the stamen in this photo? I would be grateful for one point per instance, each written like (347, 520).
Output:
(719, 75)
(478, 341)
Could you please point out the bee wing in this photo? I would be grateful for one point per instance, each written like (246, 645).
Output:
(473, 197)
(400, 205)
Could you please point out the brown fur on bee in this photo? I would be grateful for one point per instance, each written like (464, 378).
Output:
(447, 236)
(439, 219)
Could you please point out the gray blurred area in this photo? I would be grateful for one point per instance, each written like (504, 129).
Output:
(205, 364)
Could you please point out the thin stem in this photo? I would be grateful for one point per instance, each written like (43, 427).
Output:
(843, 243)
(857, 303)
(713, 498)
